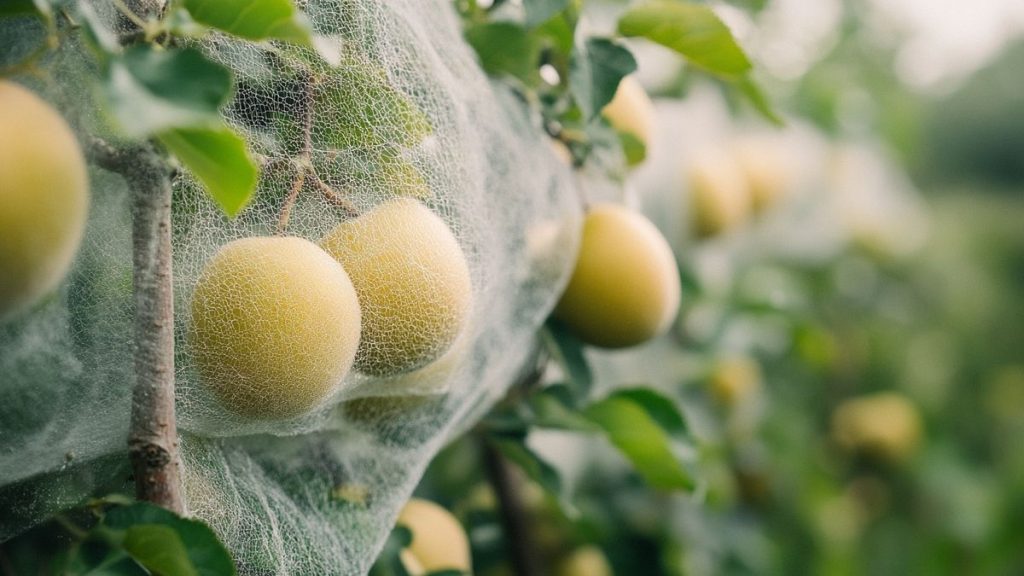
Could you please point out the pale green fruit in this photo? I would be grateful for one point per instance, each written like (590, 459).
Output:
(766, 170)
(275, 326)
(438, 540)
(44, 198)
(885, 425)
(631, 110)
(585, 561)
(720, 198)
(625, 287)
(735, 380)
(413, 284)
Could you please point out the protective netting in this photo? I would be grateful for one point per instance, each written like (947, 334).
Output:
(451, 177)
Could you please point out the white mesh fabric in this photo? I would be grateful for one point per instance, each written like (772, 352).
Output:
(315, 493)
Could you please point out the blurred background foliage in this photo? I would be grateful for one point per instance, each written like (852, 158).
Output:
(929, 340)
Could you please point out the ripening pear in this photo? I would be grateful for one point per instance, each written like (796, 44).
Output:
(275, 326)
(585, 561)
(719, 194)
(631, 110)
(44, 198)
(438, 540)
(766, 170)
(884, 425)
(413, 284)
(734, 380)
(625, 287)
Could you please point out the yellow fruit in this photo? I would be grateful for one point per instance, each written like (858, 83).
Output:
(625, 287)
(585, 561)
(413, 284)
(766, 171)
(734, 380)
(719, 194)
(275, 326)
(883, 425)
(44, 198)
(438, 540)
(631, 110)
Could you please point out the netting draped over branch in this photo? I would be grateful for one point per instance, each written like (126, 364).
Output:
(406, 113)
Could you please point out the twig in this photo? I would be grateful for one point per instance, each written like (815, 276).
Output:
(333, 197)
(515, 518)
(289, 201)
(153, 436)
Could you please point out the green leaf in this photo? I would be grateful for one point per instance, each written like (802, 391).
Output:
(536, 468)
(360, 108)
(218, 158)
(506, 48)
(633, 148)
(540, 11)
(643, 426)
(552, 407)
(383, 167)
(389, 561)
(253, 19)
(159, 549)
(693, 30)
(597, 67)
(758, 100)
(201, 549)
(567, 350)
(149, 91)
(39, 8)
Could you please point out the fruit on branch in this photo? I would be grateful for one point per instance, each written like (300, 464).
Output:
(44, 198)
(585, 561)
(275, 326)
(413, 284)
(885, 426)
(719, 195)
(735, 380)
(625, 287)
(631, 110)
(438, 540)
(765, 168)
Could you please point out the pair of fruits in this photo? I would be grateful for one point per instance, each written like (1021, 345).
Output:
(278, 322)
(728, 185)
(44, 198)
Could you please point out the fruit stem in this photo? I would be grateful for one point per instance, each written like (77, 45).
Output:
(289, 201)
(515, 518)
(153, 435)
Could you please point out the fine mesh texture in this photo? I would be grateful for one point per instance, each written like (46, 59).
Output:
(407, 113)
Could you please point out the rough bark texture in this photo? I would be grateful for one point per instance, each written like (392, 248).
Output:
(153, 437)
(515, 518)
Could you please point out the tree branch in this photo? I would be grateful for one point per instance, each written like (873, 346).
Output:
(153, 437)
(515, 518)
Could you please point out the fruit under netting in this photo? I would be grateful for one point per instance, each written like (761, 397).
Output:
(404, 130)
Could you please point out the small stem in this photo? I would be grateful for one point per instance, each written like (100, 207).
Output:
(333, 197)
(71, 527)
(130, 14)
(515, 518)
(289, 201)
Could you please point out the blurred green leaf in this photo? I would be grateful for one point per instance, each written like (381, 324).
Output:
(150, 533)
(253, 19)
(389, 561)
(506, 48)
(219, 159)
(693, 30)
(360, 108)
(158, 548)
(149, 91)
(567, 350)
(24, 8)
(596, 68)
(757, 99)
(385, 166)
(643, 424)
(633, 148)
(535, 467)
(552, 407)
(540, 11)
